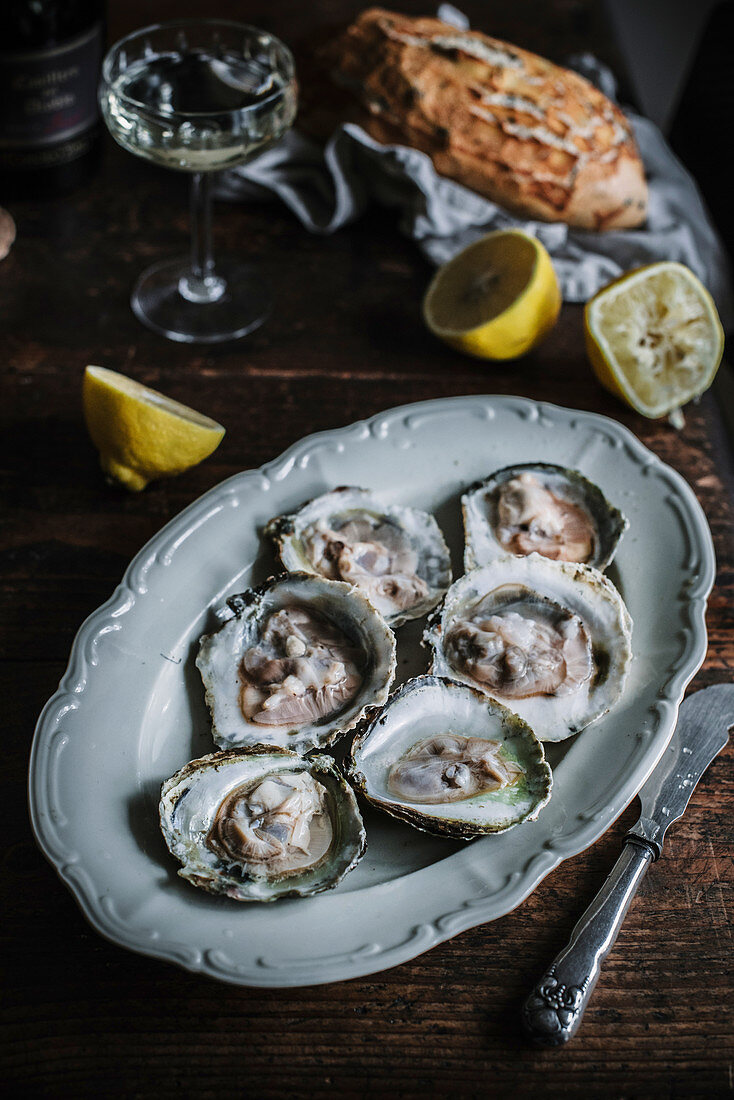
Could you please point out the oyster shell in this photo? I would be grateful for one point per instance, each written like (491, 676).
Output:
(549, 639)
(448, 760)
(299, 663)
(535, 506)
(261, 823)
(397, 556)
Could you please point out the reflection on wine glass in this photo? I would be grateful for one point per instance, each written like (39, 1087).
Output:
(199, 95)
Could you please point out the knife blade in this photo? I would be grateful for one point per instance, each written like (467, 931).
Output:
(702, 732)
(552, 1013)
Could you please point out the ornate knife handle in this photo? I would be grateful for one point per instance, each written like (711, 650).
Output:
(553, 1011)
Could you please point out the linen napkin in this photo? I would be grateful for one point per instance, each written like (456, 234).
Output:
(329, 187)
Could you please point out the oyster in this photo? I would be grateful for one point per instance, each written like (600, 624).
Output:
(299, 662)
(536, 507)
(261, 823)
(549, 639)
(397, 556)
(450, 761)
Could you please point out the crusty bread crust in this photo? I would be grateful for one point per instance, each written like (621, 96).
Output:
(530, 135)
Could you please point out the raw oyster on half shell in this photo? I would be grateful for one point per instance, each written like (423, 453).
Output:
(537, 507)
(397, 556)
(448, 760)
(299, 663)
(551, 640)
(262, 823)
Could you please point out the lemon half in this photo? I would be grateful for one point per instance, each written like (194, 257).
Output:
(497, 298)
(654, 337)
(141, 434)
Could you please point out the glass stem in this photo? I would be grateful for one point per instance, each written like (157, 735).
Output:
(201, 284)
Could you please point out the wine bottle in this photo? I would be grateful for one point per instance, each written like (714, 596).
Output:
(50, 58)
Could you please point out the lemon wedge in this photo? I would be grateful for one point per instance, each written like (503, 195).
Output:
(141, 434)
(497, 298)
(654, 338)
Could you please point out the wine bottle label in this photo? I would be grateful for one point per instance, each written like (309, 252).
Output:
(48, 101)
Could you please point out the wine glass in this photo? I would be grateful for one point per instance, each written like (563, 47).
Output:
(199, 95)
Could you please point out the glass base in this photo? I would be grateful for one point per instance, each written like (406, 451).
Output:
(167, 299)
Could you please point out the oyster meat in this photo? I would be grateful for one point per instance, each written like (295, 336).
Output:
(261, 823)
(549, 639)
(539, 508)
(298, 663)
(448, 760)
(449, 768)
(397, 556)
(301, 669)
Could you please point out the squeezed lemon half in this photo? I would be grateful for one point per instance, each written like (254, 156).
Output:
(497, 298)
(141, 434)
(654, 337)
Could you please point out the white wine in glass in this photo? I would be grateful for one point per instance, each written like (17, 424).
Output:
(199, 96)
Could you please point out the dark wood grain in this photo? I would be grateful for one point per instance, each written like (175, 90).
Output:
(83, 1017)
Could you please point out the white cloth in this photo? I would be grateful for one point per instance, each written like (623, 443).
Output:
(329, 187)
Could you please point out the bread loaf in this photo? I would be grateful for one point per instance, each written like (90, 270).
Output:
(536, 138)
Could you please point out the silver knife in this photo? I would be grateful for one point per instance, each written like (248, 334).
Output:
(553, 1011)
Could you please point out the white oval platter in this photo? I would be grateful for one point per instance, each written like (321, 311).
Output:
(129, 710)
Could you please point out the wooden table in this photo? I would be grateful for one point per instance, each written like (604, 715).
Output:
(84, 1017)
